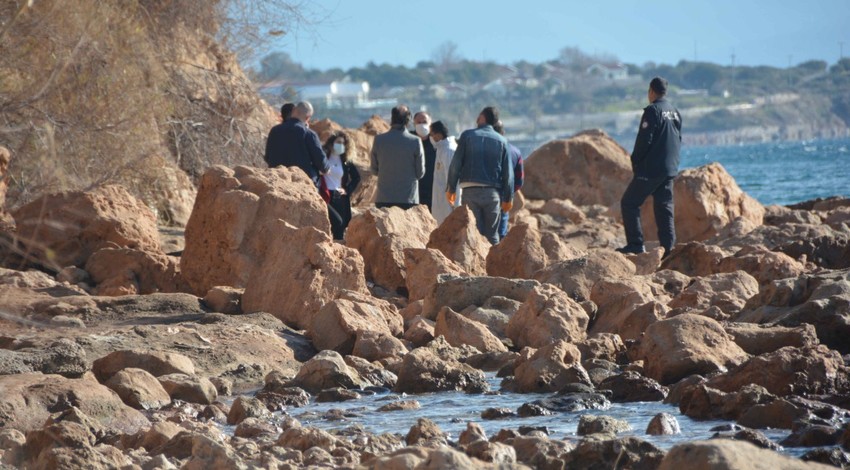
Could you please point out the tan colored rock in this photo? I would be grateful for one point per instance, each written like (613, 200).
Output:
(617, 299)
(663, 424)
(192, 389)
(639, 320)
(225, 299)
(719, 454)
(327, 370)
(294, 284)
(423, 370)
(29, 399)
(492, 452)
(577, 276)
(459, 330)
(647, 263)
(764, 265)
(301, 438)
(727, 291)
(458, 238)
(607, 346)
(374, 346)
(549, 369)
(547, 315)
(707, 199)
(155, 362)
(695, 259)
(564, 209)
(58, 230)
(153, 437)
(461, 292)
(246, 407)
(7, 222)
(126, 271)
(337, 325)
(422, 267)
(589, 168)
(382, 235)
(687, 344)
(424, 433)
(761, 339)
(519, 255)
(138, 388)
(420, 332)
(811, 370)
(236, 218)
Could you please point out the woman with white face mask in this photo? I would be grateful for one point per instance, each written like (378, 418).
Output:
(446, 146)
(339, 182)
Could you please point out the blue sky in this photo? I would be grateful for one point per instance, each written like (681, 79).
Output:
(351, 33)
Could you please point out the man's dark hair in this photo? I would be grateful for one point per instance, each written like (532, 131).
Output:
(499, 127)
(491, 115)
(400, 115)
(439, 127)
(659, 86)
(286, 110)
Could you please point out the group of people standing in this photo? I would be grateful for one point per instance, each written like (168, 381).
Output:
(425, 165)
(480, 169)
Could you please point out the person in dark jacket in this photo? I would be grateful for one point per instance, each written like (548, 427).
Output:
(397, 159)
(422, 129)
(519, 173)
(655, 163)
(293, 144)
(340, 182)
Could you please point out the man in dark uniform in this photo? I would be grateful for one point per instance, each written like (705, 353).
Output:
(655, 162)
(293, 144)
(422, 129)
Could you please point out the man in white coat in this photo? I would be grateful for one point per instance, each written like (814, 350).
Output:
(445, 145)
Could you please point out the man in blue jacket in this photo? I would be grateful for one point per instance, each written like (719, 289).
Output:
(481, 166)
(292, 143)
(655, 162)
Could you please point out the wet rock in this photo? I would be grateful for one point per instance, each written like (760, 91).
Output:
(251, 428)
(423, 266)
(155, 362)
(401, 405)
(607, 346)
(757, 438)
(235, 221)
(138, 388)
(549, 369)
(834, 457)
(577, 276)
(473, 432)
(376, 346)
(727, 291)
(532, 409)
(704, 455)
(687, 344)
(339, 323)
(382, 235)
(459, 330)
(293, 285)
(599, 170)
(372, 372)
(762, 339)
(65, 229)
(326, 370)
(497, 413)
(813, 436)
(592, 424)
(492, 361)
(492, 452)
(423, 370)
(214, 413)
(246, 407)
(547, 315)
(28, 400)
(539, 452)
(277, 393)
(461, 292)
(698, 401)
(336, 394)
(459, 240)
(224, 299)
(789, 370)
(632, 387)
(192, 389)
(127, 271)
(663, 424)
(779, 414)
(626, 452)
(426, 433)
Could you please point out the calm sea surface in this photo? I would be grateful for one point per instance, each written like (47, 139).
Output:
(781, 172)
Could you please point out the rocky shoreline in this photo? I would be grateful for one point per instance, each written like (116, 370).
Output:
(123, 349)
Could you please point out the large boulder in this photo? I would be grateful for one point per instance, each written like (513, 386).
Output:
(139, 389)
(550, 369)
(524, 251)
(327, 370)
(339, 323)
(458, 238)
(64, 357)
(727, 291)
(155, 362)
(547, 315)
(459, 330)
(302, 271)
(423, 266)
(719, 454)
(382, 235)
(811, 370)
(764, 265)
(126, 271)
(65, 229)
(423, 370)
(684, 345)
(577, 276)
(589, 168)
(461, 292)
(762, 339)
(707, 199)
(29, 399)
(236, 217)
(618, 300)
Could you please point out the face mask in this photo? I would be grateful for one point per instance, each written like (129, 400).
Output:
(339, 149)
(422, 130)
(433, 142)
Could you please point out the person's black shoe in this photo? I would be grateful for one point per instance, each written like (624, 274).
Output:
(630, 250)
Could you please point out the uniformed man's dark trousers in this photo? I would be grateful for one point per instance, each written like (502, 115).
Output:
(661, 190)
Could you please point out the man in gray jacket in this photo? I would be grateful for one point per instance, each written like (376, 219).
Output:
(399, 162)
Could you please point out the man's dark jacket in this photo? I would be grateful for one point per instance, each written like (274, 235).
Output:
(659, 138)
(427, 181)
(292, 143)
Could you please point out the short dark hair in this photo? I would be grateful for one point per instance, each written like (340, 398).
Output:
(491, 115)
(659, 86)
(499, 127)
(400, 115)
(286, 110)
(440, 128)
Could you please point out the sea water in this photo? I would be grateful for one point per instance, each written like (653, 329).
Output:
(781, 172)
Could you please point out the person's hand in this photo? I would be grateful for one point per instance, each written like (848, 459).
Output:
(451, 197)
(341, 191)
(507, 205)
